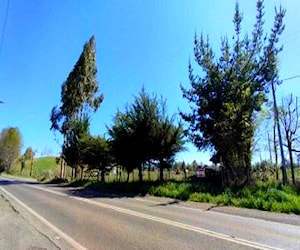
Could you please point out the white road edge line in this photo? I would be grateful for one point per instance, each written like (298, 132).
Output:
(66, 237)
(166, 221)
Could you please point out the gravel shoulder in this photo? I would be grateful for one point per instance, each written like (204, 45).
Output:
(17, 233)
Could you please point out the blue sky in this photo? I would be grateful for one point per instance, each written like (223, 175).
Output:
(139, 43)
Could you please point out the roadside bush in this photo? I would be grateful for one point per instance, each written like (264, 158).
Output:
(173, 190)
(202, 197)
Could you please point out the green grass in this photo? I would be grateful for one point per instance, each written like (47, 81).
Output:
(268, 196)
(43, 168)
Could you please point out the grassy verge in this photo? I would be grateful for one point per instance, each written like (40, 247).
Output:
(268, 196)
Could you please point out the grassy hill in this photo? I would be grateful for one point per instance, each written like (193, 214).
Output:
(43, 168)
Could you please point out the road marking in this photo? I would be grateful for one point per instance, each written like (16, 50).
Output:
(166, 221)
(66, 237)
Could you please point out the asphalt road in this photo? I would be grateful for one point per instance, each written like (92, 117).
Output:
(85, 220)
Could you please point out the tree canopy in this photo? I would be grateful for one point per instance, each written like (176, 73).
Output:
(226, 97)
(10, 147)
(78, 92)
(79, 97)
(144, 133)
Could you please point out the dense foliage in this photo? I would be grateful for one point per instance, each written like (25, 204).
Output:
(144, 133)
(96, 153)
(10, 147)
(226, 97)
(78, 98)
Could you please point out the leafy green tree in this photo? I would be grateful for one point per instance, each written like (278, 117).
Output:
(96, 153)
(72, 147)
(144, 133)
(78, 97)
(143, 117)
(168, 140)
(29, 156)
(10, 147)
(124, 143)
(225, 99)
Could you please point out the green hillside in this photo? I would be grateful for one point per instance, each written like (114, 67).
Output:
(43, 168)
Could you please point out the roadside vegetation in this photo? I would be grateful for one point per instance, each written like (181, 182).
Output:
(229, 104)
(268, 194)
(44, 168)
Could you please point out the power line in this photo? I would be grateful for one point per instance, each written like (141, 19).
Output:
(4, 26)
(290, 78)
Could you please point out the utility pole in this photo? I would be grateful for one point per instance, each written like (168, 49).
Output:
(276, 117)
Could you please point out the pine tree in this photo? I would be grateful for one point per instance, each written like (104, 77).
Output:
(225, 101)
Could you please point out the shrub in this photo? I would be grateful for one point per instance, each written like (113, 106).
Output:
(201, 197)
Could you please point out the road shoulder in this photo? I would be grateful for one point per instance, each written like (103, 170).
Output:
(291, 219)
(18, 233)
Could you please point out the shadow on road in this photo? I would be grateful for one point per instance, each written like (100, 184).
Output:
(7, 181)
(87, 189)
(174, 202)
(89, 193)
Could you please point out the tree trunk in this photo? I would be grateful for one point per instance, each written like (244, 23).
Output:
(270, 150)
(22, 166)
(61, 168)
(81, 172)
(276, 117)
(149, 169)
(128, 176)
(64, 170)
(291, 160)
(275, 149)
(140, 173)
(103, 175)
(31, 167)
(74, 173)
(161, 173)
(120, 174)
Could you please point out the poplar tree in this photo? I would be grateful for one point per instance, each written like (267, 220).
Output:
(10, 147)
(79, 97)
(29, 156)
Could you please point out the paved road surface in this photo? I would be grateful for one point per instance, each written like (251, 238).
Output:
(13, 226)
(83, 220)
